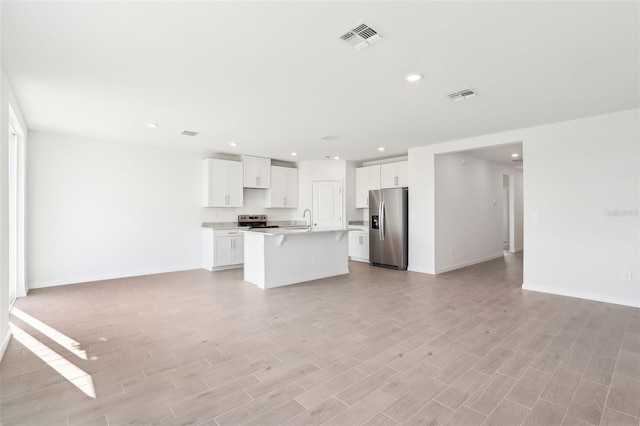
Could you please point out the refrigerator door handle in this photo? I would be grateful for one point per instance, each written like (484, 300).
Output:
(380, 220)
(382, 214)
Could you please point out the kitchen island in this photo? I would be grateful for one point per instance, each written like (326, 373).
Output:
(278, 257)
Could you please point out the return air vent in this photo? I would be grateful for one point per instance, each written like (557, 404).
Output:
(363, 35)
(188, 133)
(461, 95)
(517, 160)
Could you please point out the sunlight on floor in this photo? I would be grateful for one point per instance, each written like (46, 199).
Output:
(63, 340)
(76, 376)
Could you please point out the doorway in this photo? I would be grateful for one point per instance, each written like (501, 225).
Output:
(478, 205)
(12, 180)
(16, 209)
(327, 204)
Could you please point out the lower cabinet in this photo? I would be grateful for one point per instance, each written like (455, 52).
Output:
(359, 246)
(222, 249)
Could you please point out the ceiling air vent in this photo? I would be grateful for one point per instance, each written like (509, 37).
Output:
(188, 133)
(461, 95)
(361, 36)
(517, 160)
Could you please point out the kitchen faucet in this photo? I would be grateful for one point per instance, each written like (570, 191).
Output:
(304, 216)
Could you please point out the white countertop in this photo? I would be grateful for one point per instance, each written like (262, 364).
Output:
(289, 231)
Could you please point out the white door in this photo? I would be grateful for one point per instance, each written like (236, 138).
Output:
(235, 189)
(237, 245)
(222, 254)
(327, 205)
(291, 187)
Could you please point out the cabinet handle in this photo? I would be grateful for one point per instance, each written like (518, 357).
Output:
(257, 180)
(284, 200)
(367, 201)
(395, 180)
(232, 244)
(360, 239)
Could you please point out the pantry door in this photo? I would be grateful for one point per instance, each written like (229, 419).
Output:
(327, 205)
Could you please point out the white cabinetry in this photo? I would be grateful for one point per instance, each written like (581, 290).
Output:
(257, 172)
(394, 175)
(284, 187)
(222, 183)
(367, 178)
(359, 246)
(222, 249)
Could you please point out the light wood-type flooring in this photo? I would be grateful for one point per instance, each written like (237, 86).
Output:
(375, 347)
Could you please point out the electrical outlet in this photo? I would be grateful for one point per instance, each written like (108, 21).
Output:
(627, 275)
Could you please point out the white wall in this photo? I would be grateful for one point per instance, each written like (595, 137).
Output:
(319, 170)
(574, 171)
(578, 170)
(6, 98)
(102, 209)
(517, 212)
(422, 200)
(468, 210)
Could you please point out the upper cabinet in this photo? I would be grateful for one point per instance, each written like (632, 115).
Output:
(367, 178)
(257, 172)
(394, 175)
(222, 183)
(284, 188)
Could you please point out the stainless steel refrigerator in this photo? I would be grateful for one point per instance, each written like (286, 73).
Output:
(388, 228)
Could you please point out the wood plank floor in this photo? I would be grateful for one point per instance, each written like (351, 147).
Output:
(376, 347)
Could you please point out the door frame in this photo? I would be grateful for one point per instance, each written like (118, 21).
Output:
(17, 180)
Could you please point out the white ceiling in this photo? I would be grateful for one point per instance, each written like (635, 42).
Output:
(501, 154)
(273, 76)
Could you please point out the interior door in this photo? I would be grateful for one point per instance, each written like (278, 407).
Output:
(327, 205)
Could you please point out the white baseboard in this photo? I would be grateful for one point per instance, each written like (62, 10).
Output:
(582, 295)
(90, 278)
(224, 268)
(469, 263)
(421, 270)
(5, 342)
(359, 259)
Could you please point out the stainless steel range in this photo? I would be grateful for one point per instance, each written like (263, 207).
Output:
(254, 221)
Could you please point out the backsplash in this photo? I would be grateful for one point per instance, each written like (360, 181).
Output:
(254, 202)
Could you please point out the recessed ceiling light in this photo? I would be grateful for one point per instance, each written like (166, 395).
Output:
(413, 77)
(295, 154)
(514, 155)
(328, 138)
(152, 125)
(233, 144)
(336, 158)
(382, 148)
